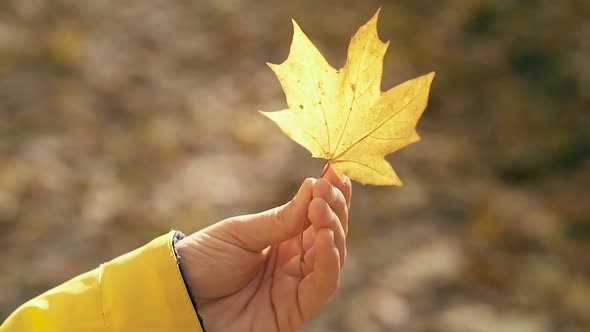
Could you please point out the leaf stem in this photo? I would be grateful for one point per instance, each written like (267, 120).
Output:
(326, 168)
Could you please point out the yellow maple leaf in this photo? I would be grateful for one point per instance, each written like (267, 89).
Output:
(342, 115)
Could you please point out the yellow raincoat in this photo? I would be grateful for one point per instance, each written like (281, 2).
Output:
(139, 291)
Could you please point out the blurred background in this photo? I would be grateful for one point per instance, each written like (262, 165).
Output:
(122, 120)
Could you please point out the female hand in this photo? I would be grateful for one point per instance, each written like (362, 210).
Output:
(245, 272)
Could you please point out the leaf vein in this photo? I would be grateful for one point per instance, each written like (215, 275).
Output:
(376, 128)
(370, 64)
(389, 138)
(357, 162)
(317, 141)
(358, 71)
(314, 81)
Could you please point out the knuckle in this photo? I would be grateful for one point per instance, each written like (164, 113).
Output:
(274, 215)
(277, 215)
(337, 195)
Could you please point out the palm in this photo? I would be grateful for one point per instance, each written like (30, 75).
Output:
(258, 300)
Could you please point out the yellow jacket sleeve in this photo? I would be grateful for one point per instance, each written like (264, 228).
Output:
(139, 291)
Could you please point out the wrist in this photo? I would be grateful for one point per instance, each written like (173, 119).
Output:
(180, 250)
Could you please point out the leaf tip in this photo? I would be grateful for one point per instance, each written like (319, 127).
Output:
(266, 115)
(370, 28)
(296, 28)
(300, 42)
(394, 181)
(377, 12)
(430, 77)
(375, 18)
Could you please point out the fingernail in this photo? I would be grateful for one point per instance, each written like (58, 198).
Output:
(300, 190)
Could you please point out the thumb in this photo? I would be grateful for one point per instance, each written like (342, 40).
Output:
(257, 231)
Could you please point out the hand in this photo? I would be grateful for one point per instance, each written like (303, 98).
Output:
(245, 272)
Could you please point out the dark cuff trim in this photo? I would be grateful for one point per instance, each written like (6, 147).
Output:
(177, 237)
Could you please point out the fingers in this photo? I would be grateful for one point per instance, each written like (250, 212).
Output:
(322, 217)
(258, 231)
(317, 287)
(344, 185)
(335, 199)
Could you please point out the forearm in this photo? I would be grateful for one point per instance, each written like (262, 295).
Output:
(141, 290)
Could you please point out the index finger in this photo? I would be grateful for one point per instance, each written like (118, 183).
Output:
(343, 184)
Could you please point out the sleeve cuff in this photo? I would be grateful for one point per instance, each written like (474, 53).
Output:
(178, 235)
(144, 290)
